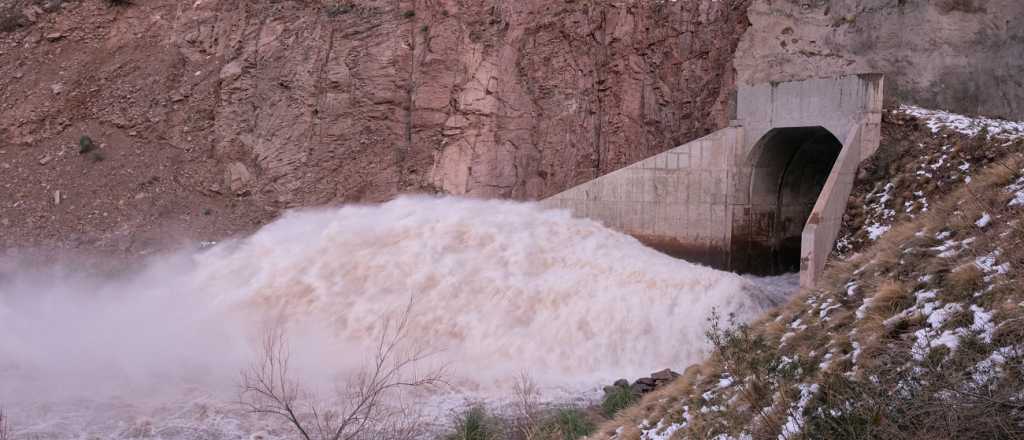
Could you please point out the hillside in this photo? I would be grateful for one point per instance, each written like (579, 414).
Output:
(916, 332)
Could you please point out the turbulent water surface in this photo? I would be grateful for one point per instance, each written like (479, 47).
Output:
(495, 289)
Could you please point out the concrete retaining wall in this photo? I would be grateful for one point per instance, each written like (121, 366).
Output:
(677, 201)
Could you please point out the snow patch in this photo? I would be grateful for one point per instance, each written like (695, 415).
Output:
(661, 432)
(1017, 189)
(984, 221)
(983, 323)
(936, 120)
(795, 422)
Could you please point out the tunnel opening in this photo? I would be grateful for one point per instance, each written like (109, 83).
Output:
(790, 167)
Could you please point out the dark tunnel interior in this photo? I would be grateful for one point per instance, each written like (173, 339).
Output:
(790, 169)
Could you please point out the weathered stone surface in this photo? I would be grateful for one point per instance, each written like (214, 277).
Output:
(960, 55)
(484, 98)
(643, 385)
(664, 375)
(237, 178)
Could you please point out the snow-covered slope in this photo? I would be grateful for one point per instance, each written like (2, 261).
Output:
(919, 333)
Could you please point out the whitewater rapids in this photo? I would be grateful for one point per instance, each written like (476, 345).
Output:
(496, 288)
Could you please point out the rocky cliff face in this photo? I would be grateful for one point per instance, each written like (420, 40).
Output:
(245, 108)
(960, 55)
(211, 116)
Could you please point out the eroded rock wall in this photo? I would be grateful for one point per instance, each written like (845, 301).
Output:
(483, 98)
(211, 116)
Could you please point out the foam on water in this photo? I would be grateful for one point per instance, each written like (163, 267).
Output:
(497, 289)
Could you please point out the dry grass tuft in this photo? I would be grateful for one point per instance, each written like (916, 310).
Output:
(967, 277)
(891, 296)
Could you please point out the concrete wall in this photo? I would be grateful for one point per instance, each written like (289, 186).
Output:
(677, 201)
(826, 219)
(717, 200)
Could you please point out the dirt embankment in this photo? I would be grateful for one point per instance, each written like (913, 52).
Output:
(211, 116)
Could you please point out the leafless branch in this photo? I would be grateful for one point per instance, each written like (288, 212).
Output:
(268, 388)
(528, 408)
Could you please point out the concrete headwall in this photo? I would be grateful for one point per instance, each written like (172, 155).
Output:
(677, 201)
(739, 199)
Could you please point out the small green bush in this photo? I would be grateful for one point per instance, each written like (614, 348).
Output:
(745, 352)
(476, 424)
(409, 14)
(85, 145)
(614, 401)
(572, 423)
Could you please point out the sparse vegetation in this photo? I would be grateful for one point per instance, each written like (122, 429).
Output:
(570, 424)
(409, 13)
(85, 145)
(617, 398)
(477, 424)
(527, 420)
(561, 423)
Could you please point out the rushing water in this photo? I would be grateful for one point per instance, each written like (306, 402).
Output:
(496, 289)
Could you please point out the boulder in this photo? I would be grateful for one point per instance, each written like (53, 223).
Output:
(237, 178)
(664, 375)
(646, 381)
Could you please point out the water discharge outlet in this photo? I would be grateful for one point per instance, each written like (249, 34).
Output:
(740, 198)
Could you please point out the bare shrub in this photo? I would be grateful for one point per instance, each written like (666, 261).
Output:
(527, 406)
(363, 412)
(5, 426)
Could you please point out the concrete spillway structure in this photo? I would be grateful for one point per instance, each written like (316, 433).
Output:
(765, 195)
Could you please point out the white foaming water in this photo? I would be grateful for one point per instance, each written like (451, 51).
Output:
(497, 289)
